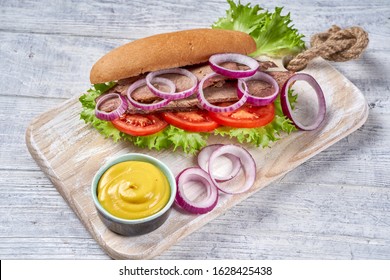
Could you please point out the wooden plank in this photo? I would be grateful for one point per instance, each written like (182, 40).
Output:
(128, 19)
(53, 248)
(287, 213)
(48, 66)
(70, 153)
(57, 66)
(43, 69)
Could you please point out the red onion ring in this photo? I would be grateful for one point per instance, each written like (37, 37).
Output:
(110, 116)
(286, 107)
(152, 106)
(217, 59)
(203, 162)
(247, 162)
(198, 175)
(151, 77)
(213, 108)
(255, 100)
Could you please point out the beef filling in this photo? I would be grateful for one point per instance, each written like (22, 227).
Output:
(217, 89)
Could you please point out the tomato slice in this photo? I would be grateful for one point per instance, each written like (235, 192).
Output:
(247, 116)
(139, 125)
(195, 121)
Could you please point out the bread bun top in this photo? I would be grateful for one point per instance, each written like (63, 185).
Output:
(168, 50)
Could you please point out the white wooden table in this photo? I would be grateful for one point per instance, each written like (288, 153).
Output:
(334, 206)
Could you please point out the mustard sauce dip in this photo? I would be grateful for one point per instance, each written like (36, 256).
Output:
(133, 190)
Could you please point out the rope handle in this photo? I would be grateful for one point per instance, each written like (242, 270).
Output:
(335, 45)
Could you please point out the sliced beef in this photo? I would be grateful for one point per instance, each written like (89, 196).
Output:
(226, 93)
(263, 89)
(181, 82)
(218, 89)
(265, 65)
(213, 94)
(110, 104)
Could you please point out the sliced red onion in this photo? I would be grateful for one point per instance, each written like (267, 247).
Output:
(198, 175)
(213, 108)
(152, 106)
(255, 100)
(286, 107)
(203, 162)
(217, 59)
(114, 114)
(151, 77)
(247, 162)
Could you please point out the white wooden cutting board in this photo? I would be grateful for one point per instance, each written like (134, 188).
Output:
(70, 153)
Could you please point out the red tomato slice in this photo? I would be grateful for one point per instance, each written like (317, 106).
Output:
(247, 116)
(195, 121)
(139, 125)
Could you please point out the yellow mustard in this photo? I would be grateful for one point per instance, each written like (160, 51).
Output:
(133, 190)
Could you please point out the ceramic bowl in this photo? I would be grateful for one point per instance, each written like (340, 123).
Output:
(137, 226)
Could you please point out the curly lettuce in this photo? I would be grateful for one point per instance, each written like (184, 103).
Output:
(179, 139)
(87, 114)
(170, 137)
(274, 36)
(273, 33)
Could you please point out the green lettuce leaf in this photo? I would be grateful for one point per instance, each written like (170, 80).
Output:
(87, 114)
(176, 138)
(170, 137)
(274, 36)
(189, 142)
(273, 33)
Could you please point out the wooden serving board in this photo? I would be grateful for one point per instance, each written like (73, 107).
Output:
(70, 153)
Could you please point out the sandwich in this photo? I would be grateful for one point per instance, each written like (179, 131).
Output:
(128, 109)
(148, 91)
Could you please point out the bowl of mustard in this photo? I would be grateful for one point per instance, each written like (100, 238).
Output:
(133, 193)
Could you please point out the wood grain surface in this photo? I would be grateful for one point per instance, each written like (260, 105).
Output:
(334, 206)
(70, 153)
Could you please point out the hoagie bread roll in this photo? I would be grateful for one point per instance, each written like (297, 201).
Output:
(168, 50)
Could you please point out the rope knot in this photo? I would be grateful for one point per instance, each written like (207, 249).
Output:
(336, 45)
